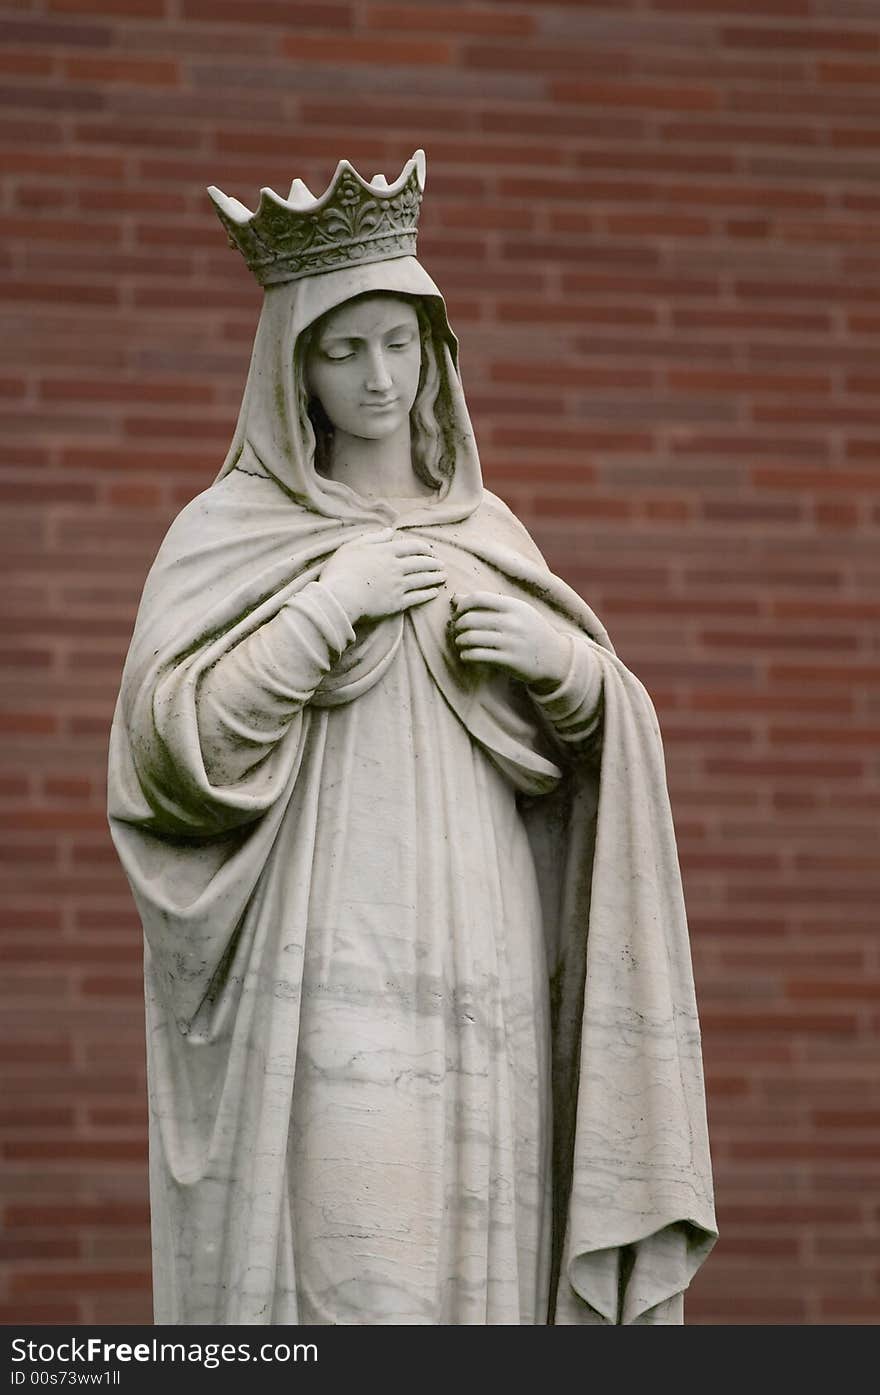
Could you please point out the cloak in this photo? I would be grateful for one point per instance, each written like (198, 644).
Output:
(224, 926)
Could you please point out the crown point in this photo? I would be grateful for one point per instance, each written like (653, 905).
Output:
(232, 208)
(379, 181)
(300, 195)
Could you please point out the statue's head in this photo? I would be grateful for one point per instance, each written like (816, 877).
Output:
(364, 368)
(353, 337)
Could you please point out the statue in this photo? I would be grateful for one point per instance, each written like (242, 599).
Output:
(422, 1039)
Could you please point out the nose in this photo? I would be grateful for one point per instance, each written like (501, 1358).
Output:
(378, 377)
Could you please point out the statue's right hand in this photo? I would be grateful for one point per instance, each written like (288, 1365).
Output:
(381, 574)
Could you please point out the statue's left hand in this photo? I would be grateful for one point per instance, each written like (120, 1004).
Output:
(505, 631)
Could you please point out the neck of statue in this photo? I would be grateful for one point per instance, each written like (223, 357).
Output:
(376, 469)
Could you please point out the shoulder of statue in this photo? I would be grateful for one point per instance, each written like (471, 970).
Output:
(512, 528)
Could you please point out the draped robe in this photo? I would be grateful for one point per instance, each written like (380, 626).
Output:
(222, 862)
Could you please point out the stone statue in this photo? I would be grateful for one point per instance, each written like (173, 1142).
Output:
(422, 1039)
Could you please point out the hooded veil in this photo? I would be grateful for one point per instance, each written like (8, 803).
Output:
(269, 437)
(221, 869)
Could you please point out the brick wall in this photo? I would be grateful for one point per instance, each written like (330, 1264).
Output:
(656, 222)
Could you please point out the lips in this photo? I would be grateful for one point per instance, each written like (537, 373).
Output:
(379, 405)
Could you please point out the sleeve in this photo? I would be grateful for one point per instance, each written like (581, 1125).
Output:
(249, 697)
(573, 707)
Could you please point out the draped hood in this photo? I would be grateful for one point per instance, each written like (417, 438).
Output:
(268, 437)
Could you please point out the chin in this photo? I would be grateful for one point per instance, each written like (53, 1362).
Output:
(379, 430)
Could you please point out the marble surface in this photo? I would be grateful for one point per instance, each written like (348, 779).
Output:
(422, 1039)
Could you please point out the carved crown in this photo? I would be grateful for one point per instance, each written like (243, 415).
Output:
(352, 221)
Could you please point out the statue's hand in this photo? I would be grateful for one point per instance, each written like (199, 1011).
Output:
(381, 574)
(507, 632)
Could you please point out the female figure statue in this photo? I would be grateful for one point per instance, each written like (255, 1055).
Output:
(423, 1045)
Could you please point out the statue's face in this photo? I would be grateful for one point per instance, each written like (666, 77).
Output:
(363, 365)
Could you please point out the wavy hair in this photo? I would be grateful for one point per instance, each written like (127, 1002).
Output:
(433, 451)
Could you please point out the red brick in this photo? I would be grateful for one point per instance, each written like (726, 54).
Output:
(14, 786)
(835, 672)
(76, 293)
(677, 510)
(69, 952)
(76, 1280)
(134, 495)
(27, 723)
(51, 229)
(836, 514)
(34, 1052)
(120, 200)
(126, 457)
(769, 1246)
(34, 163)
(566, 312)
(30, 918)
(776, 639)
(638, 95)
(855, 40)
(101, 1214)
(42, 1118)
(735, 133)
(825, 736)
(49, 1313)
(792, 1213)
(850, 1309)
(722, 317)
(847, 1119)
(710, 700)
(353, 49)
(583, 437)
(153, 72)
(281, 13)
(31, 1247)
(803, 1149)
(48, 820)
(834, 1023)
(113, 986)
(846, 481)
(26, 64)
(118, 1116)
(452, 19)
(721, 380)
(839, 990)
(50, 33)
(125, 9)
(69, 1150)
(587, 507)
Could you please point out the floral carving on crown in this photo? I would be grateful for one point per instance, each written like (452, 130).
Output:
(353, 221)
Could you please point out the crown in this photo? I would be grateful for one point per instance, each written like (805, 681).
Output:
(353, 221)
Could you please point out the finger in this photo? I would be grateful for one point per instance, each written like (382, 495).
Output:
(424, 564)
(417, 580)
(481, 656)
(416, 597)
(422, 559)
(405, 546)
(482, 620)
(475, 639)
(486, 600)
